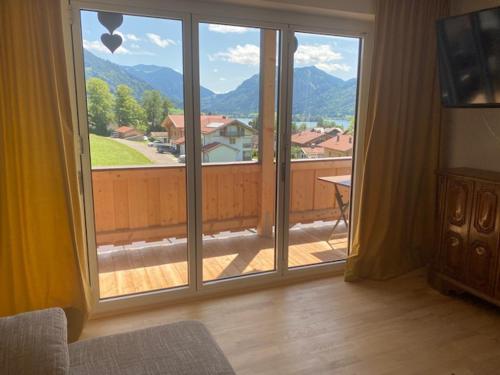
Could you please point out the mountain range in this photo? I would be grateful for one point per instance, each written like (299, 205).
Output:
(315, 93)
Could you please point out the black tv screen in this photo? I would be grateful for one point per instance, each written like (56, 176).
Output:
(469, 59)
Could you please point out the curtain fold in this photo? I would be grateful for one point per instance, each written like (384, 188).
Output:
(41, 237)
(394, 226)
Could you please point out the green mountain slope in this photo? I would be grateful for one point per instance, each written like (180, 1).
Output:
(113, 74)
(164, 79)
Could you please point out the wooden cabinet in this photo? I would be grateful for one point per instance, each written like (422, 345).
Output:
(467, 254)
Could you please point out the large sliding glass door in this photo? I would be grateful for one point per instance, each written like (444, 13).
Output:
(237, 130)
(321, 134)
(212, 150)
(133, 80)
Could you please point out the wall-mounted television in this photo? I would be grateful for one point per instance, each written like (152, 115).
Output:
(469, 59)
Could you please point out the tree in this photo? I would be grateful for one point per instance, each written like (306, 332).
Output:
(156, 108)
(296, 152)
(168, 108)
(350, 128)
(99, 106)
(255, 122)
(127, 109)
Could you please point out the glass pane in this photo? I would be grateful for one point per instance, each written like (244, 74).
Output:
(325, 80)
(238, 75)
(134, 81)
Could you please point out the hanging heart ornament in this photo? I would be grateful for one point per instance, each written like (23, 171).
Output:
(111, 41)
(110, 21)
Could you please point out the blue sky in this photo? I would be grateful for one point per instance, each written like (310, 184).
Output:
(228, 54)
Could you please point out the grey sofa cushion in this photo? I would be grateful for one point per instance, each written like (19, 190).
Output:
(34, 343)
(183, 348)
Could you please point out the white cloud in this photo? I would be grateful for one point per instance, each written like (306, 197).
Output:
(332, 68)
(312, 54)
(222, 79)
(246, 55)
(97, 46)
(227, 29)
(156, 39)
(133, 37)
(322, 56)
(128, 37)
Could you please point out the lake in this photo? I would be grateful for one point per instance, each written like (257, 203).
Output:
(309, 124)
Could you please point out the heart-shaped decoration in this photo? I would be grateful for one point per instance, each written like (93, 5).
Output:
(110, 21)
(111, 41)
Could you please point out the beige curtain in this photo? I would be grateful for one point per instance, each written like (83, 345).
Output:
(41, 238)
(396, 194)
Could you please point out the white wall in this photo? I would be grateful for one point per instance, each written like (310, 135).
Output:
(357, 9)
(471, 137)
(221, 154)
(239, 142)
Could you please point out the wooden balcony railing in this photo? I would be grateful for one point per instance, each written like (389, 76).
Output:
(149, 203)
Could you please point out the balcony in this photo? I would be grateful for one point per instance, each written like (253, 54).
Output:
(140, 222)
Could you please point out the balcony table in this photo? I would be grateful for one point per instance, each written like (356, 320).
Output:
(344, 181)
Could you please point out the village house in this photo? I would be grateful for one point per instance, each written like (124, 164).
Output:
(313, 137)
(308, 141)
(125, 132)
(313, 152)
(341, 145)
(160, 136)
(223, 139)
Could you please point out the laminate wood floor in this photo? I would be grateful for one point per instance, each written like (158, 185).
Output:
(143, 267)
(327, 326)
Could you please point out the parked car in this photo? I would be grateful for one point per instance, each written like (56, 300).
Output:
(161, 148)
(154, 143)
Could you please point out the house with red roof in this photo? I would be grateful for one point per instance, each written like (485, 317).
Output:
(308, 138)
(314, 152)
(223, 139)
(125, 132)
(341, 145)
(308, 141)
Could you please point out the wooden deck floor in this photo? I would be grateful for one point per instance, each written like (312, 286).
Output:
(143, 267)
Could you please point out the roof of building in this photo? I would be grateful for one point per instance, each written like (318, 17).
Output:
(213, 145)
(208, 123)
(341, 142)
(313, 151)
(124, 129)
(306, 136)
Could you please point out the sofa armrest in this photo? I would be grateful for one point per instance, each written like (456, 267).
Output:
(34, 343)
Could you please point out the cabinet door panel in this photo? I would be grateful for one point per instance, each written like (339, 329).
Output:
(455, 230)
(482, 252)
(485, 210)
(459, 192)
(453, 255)
(481, 267)
(439, 219)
